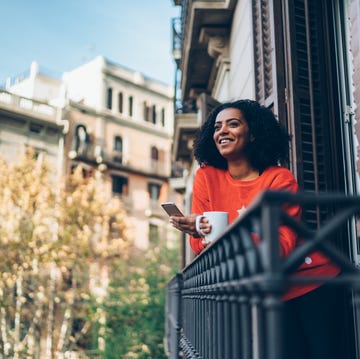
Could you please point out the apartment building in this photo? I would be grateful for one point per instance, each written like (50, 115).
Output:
(301, 59)
(121, 122)
(117, 121)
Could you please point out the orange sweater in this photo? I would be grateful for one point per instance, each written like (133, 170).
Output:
(216, 190)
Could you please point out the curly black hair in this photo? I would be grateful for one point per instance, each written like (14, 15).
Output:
(270, 146)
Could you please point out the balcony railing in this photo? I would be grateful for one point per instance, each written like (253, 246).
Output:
(27, 106)
(227, 302)
(95, 153)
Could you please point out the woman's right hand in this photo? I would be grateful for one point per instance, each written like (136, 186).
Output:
(185, 224)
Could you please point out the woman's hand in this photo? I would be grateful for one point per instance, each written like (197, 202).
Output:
(187, 224)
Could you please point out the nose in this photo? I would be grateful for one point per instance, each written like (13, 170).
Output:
(223, 129)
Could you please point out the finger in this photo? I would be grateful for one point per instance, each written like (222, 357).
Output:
(205, 243)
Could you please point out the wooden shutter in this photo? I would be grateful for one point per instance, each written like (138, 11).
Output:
(312, 101)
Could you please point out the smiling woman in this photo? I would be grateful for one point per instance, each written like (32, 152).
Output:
(240, 149)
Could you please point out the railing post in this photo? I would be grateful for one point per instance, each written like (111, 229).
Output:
(356, 301)
(259, 340)
(270, 214)
(245, 325)
(219, 326)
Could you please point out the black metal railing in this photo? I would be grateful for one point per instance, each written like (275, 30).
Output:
(231, 293)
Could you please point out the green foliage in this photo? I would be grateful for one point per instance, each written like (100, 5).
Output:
(136, 304)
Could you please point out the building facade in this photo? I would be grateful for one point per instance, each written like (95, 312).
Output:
(299, 58)
(28, 121)
(117, 121)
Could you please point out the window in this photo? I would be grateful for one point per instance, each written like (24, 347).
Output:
(118, 149)
(154, 153)
(81, 140)
(35, 128)
(146, 112)
(153, 233)
(154, 191)
(119, 185)
(163, 117)
(153, 117)
(131, 104)
(109, 98)
(120, 102)
(154, 158)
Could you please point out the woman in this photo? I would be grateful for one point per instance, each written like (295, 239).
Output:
(239, 149)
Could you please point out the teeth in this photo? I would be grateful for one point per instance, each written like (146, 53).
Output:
(224, 141)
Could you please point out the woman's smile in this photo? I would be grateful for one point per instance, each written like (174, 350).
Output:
(225, 140)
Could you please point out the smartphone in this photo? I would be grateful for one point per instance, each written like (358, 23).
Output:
(171, 209)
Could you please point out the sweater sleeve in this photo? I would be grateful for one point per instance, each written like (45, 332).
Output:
(200, 204)
(285, 181)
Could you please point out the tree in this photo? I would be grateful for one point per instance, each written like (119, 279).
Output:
(58, 245)
(135, 307)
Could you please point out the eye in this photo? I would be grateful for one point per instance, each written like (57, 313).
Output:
(234, 124)
(217, 127)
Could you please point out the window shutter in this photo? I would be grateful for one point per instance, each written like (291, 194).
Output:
(312, 119)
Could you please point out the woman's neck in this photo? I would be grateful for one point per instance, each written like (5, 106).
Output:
(242, 171)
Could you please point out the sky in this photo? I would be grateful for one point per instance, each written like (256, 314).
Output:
(63, 34)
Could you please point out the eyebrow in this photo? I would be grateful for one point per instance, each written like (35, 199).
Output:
(229, 119)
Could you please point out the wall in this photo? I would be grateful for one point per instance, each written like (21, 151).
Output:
(241, 53)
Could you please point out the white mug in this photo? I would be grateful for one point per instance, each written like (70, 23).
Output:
(218, 220)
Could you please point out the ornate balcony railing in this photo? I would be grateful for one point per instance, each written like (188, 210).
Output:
(230, 294)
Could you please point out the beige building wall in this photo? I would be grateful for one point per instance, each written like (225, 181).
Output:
(235, 75)
(137, 167)
(123, 115)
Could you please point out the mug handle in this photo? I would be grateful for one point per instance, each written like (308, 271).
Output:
(197, 225)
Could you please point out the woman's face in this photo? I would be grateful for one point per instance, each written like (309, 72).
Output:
(231, 133)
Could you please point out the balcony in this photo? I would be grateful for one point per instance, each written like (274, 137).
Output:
(185, 127)
(94, 154)
(201, 21)
(28, 107)
(227, 302)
